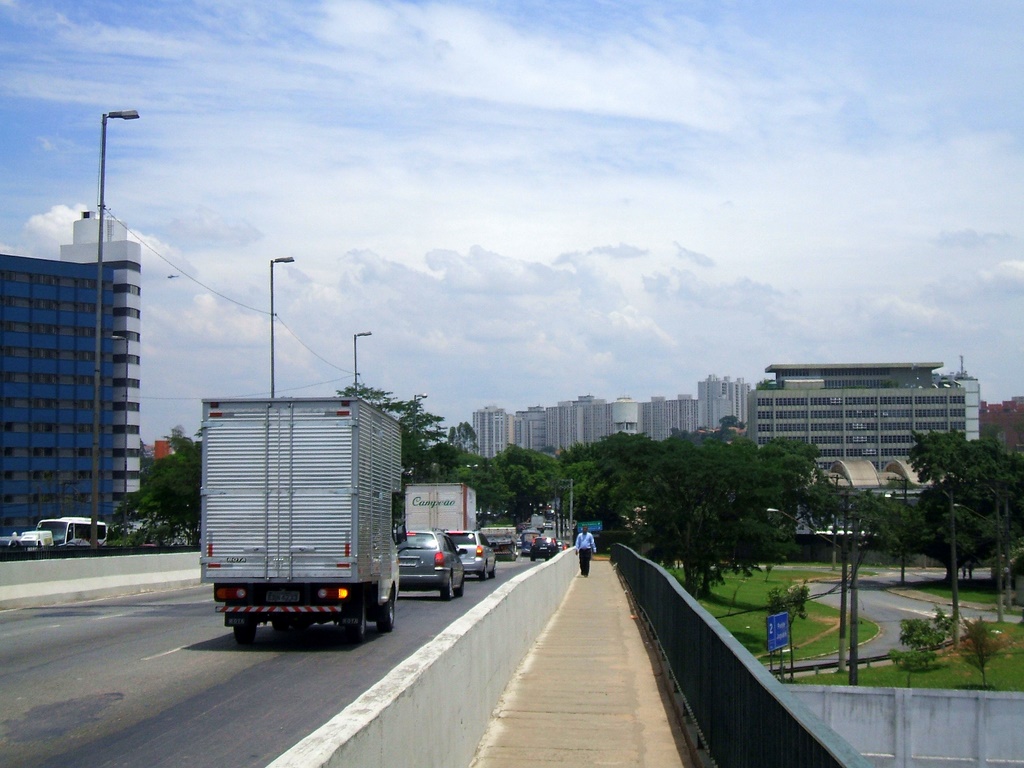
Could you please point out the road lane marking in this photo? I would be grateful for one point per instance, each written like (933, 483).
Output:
(165, 653)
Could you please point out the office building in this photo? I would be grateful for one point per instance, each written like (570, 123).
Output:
(862, 411)
(47, 349)
(1005, 422)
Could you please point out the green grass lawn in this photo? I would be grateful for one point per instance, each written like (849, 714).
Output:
(739, 606)
(1004, 673)
(979, 592)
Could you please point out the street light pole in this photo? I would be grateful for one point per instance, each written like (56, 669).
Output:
(97, 375)
(281, 260)
(954, 572)
(355, 359)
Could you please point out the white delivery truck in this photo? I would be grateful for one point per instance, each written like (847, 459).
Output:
(296, 513)
(448, 506)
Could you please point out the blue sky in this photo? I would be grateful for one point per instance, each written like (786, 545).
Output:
(527, 202)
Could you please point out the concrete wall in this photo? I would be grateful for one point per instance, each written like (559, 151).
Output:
(433, 708)
(921, 728)
(53, 582)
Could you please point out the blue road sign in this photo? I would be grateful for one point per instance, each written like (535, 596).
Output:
(778, 631)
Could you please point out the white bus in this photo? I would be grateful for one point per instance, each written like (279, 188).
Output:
(73, 531)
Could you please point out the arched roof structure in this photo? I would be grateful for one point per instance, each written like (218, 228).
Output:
(899, 469)
(855, 473)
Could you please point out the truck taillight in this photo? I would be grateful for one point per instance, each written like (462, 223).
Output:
(332, 593)
(479, 551)
(439, 559)
(230, 593)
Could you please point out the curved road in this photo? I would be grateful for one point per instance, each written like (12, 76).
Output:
(880, 600)
(156, 680)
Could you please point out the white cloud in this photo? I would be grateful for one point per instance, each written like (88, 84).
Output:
(527, 202)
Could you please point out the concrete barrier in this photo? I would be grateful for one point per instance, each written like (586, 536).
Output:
(433, 708)
(54, 582)
(922, 728)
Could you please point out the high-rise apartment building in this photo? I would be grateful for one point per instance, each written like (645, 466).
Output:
(718, 398)
(494, 430)
(47, 358)
(530, 428)
(660, 417)
(864, 411)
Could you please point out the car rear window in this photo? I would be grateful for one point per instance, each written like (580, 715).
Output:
(463, 538)
(420, 541)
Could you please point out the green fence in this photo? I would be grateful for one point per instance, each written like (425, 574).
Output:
(745, 717)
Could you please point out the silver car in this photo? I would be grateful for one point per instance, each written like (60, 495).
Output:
(479, 558)
(429, 560)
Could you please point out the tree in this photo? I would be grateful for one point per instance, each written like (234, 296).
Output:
(901, 530)
(463, 437)
(980, 645)
(706, 507)
(528, 477)
(944, 460)
(168, 501)
(921, 637)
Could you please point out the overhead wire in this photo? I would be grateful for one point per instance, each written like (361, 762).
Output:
(142, 241)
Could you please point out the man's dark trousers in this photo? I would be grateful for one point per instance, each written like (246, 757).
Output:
(585, 561)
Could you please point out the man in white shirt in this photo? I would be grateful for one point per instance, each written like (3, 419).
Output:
(586, 547)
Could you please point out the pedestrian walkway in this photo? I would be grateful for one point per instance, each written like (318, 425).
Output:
(588, 691)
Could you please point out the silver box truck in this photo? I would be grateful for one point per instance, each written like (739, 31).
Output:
(296, 513)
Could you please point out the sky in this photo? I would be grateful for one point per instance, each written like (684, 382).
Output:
(525, 202)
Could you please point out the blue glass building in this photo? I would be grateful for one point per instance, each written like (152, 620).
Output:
(47, 353)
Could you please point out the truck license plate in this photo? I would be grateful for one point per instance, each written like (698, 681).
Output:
(282, 596)
(235, 620)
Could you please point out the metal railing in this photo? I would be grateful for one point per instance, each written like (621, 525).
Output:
(744, 716)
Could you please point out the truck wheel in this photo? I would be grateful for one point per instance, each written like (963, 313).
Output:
(446, 589)
(461, 588)
(245, 634)
(386, 614)
(356, 633)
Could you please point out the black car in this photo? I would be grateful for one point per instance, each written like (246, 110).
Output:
(544, 546)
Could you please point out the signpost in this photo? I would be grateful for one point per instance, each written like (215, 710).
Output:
(778, 637)
(778, 631)
(595, 526)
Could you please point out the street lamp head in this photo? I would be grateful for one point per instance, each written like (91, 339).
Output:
(364, 333)
(283, 260)
(124, 114)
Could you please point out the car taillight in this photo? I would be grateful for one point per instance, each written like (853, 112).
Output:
(230, 593)
(438, 559)
(332, 593)
(479, 551)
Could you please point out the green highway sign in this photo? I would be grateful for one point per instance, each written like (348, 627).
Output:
(593, 525)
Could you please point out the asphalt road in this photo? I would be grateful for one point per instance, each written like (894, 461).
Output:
(157, 681)
(878, 602)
